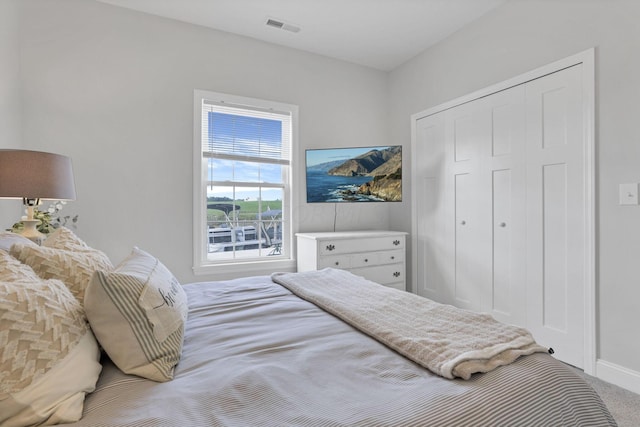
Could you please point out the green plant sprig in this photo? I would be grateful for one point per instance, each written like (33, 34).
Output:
(50, 220)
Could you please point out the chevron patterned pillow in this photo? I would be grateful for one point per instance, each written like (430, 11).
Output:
(138, 313)
(49, 359)
(64, 238)
(12, 270)
(74, 268)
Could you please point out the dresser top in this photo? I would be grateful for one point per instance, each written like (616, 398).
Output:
(350, 234)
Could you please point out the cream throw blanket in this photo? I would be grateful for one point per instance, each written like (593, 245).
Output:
(448, 341)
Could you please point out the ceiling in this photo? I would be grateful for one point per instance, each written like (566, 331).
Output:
(381, 34)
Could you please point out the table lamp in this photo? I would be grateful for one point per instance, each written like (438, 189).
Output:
(33, 176)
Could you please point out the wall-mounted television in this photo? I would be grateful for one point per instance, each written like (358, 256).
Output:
(354, 174)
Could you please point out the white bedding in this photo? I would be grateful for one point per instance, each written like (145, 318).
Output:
(257, 355)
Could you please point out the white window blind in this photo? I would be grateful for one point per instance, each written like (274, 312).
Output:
(239, 132)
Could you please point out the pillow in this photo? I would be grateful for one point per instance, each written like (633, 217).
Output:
(8, 239)
(12, 270)
(49, 359)
(138, 313)
(63, 238)
(73, 268)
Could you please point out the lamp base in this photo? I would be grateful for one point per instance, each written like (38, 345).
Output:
(31, 232)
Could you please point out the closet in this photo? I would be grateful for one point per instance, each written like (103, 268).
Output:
(502, 205)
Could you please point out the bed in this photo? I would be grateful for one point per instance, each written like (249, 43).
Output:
(256, 354)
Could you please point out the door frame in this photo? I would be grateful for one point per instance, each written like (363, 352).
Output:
(587, 59)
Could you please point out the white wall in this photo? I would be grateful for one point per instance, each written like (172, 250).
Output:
(113, 89)
(10, 101)
(523, 35)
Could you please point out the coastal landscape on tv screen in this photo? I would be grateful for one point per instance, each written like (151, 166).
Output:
(354, 174)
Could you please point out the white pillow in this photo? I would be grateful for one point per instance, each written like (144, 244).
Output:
(8, 239)
(138, 313)
(49, 359)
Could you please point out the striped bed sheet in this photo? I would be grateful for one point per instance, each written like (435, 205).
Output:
(257, 355)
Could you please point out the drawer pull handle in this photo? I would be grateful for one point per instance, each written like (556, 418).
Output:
(337, 262)
(330, 247)
(396, 274)
(503, 224)
(392, 257)
(366, 260)
(396, 242)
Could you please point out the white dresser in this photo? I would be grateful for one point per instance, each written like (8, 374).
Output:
(376, 255)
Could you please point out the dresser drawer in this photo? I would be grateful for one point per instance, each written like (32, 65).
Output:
(364, 259)
(383, 274)
(391, 257)
(336, 261)
(361, 259)
(346, 246)
(397, 285)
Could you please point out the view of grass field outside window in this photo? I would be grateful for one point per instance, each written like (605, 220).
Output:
(247, 159)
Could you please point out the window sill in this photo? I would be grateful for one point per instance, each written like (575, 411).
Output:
(243, 269)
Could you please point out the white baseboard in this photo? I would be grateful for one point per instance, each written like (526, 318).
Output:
(618, 375)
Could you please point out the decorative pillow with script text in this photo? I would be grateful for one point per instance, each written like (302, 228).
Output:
(138, 313)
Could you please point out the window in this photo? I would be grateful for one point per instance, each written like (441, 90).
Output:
(242, 208)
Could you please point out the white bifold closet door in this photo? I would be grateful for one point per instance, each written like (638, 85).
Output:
(499, 208)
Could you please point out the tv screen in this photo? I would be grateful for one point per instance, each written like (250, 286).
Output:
(355, 174)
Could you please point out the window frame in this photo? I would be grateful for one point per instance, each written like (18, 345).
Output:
(240, 267)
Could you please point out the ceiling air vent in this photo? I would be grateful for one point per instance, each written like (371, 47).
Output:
(274, 23)
(282, 25)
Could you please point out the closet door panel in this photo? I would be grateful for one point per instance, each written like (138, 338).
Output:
(467, 291)
(554, 112)
(470, 138)
(432, 247)
(428, 244)
(503, 116)
(555, 207)
(501, 292)
(465, 137)
(504, 167)
(554, 247)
